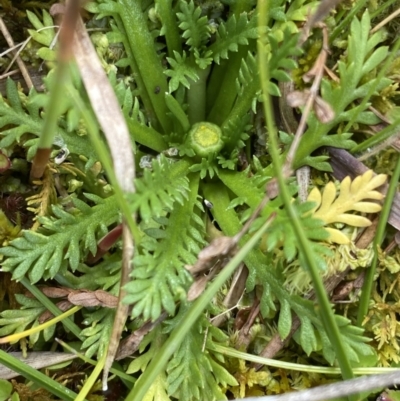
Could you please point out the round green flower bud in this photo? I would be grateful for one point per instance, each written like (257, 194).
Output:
(205, 139)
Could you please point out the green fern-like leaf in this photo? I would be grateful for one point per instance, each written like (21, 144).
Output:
(232, 33)
(135, 118)
(353, 196)
(63, 239)
(97, 335)
(247, 83)
(180, 72)
(159, 278)
(154, 340)
(266, 268)
(105, 276)
(12, 114)
(205, 167)
(363, 56)
(281, 232)
(18, 320)
(160, 188)
(193, 374)
(237, 129)
(40, 35)
(195, 28)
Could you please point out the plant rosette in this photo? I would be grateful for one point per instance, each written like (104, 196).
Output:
(205, 139)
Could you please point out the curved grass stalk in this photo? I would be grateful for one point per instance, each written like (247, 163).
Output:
(18, 336)
(381, 136)
(379, 237)
(122, 375)
(326, 313)
(157, 365)
(92, 378)
(296, 366)
(349, 17)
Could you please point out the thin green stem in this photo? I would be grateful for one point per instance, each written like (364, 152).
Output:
(117, 372)
(380, 10)
(41, 380)
(194, 312)
(91, 379)
(54, 109)
(349, 17)
(326, 313)
(326, 370)
(68, 323)
(380, 231)
(17, 336)
(54, 105)
(378, 138)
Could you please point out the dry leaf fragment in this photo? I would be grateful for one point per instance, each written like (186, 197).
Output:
(322, 109)
(197, 288)
(107, 300)
(55, 292)
(219, 247)
(130, 344)
(93, 298)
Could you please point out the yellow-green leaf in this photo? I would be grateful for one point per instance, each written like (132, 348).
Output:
(333, 206)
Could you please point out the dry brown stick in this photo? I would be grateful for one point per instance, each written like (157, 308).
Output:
(112, 122)
(36, 360)
(20, 63)
(336, 390)
(238, 285)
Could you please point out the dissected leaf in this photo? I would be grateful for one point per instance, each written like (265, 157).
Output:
(69, 237)
(353, 195)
